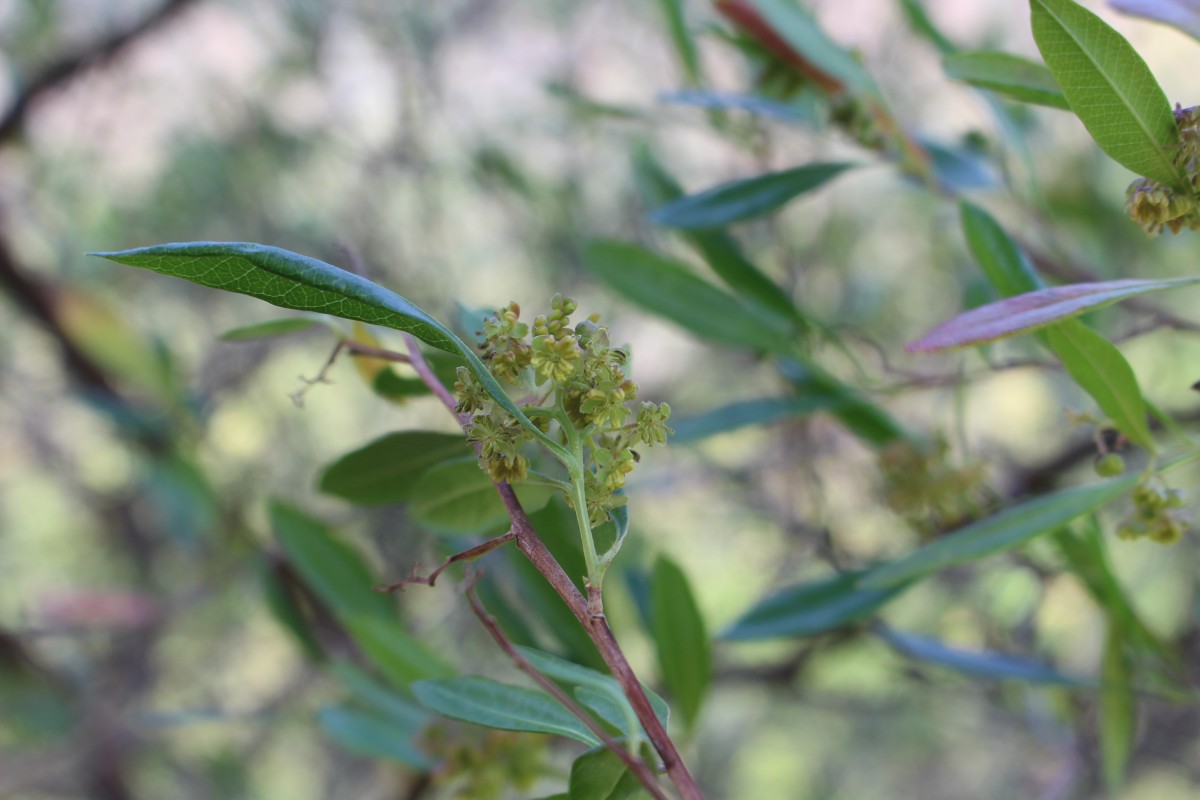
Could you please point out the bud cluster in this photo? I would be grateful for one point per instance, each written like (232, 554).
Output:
(1156, 515)
(926, 489)
(1154, 206)
(577, 378)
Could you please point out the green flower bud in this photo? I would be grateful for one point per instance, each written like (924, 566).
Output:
(1110, 465)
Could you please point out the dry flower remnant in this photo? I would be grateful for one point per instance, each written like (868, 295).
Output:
(1154, 206)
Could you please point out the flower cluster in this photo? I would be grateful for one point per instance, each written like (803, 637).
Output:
(923, 486)
(1154, 206)
(1156, 515)
(566, 375)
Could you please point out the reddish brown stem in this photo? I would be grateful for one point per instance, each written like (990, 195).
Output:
(635, 765)
(594, 623)
(469, 554)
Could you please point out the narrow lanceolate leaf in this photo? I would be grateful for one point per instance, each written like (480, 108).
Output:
(1033, 310)
(680, 638)
(976, 663)
(1009, 75)
(1110, 89)
(1095, 364)
(330, 567)
(290, 280)
(800, 31)
(367, 734)
(1003, 531)
(1004, 263)
(720, 250)
(795, 112)
(1118, 709)
(668, 288)
(269, 329)
(387, 470)
(1181, 14)
(745, 199)
(496, 705)
(399, 657)
(681, 37)
(1101, 371)
(808, 609)
(866, 420)
(764, 411)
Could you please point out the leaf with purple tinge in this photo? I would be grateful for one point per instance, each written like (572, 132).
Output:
(1033, 310)
(1181, 14)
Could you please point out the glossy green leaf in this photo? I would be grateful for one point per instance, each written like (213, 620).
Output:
(367, 734)
(681, 38)
(1183, 15)
(496, 705)
(271, 328)
(1118, 710)
(1101, 371)
(1110, 89)
(1009, 75)
(866, 420)
(398, 656)
(809, 609)
(797, 27)
(599, 775)
(388, 469)
(975, 663)
(745, 413)
(718, 249)
(331, 568)
(680, 638)
(302, 283)
(1003, 262)
(577, 677)
(1004, 530)
(1033, 310)
(457, 497)
(669, 289)
(745, 199)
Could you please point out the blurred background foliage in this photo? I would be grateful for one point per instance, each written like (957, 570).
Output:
(465, 152)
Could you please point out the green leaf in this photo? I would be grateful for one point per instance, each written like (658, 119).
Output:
(718, 249)
(496, 705)
(266, 330)
(918, 19)
(680, 638)
(1101, 371)
(1110, 89)
(371, 694)
(578, 677)
(681, 38)
(797, 27)
(744, 413)
(282, 600)
(399, 657)
(975, 663)
(1095, 364)
(669, 289)
(456, 496)
(1118, 710)
(1002, 531)
(745, 199)
(599, 775)
(369, 735)
(388, 469)
(335, 572)
(1033, 310)
(1012, 76)
(290, 280)
(809, 609)
(960, 168)
(864, 419)
(798, 111)
(1003, 262)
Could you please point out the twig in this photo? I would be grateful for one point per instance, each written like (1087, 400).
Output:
(298, 395)
(368, 351)
(469, 554)
(635, 765)
(425, 373)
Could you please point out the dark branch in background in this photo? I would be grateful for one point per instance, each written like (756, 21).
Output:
(65, 69)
